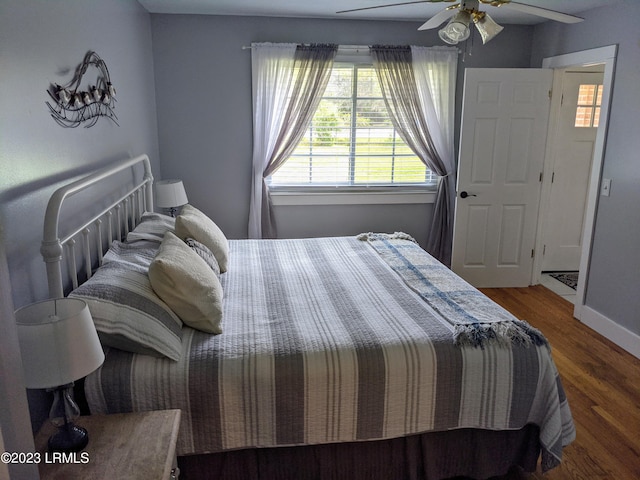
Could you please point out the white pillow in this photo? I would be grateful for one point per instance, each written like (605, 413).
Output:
(186, 283)
(192, 223)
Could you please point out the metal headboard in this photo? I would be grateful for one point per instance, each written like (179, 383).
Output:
(120, 215)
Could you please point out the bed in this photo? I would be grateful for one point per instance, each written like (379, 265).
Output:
(342, 357)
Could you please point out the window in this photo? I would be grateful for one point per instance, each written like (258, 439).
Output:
(351, 140)
(588, 108)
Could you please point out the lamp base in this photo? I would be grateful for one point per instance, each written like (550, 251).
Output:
(69, 438)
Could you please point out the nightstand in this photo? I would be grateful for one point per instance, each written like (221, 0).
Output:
(140, 446)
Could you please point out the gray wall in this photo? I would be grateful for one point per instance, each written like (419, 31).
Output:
(203, 88)
(43, 42)
(614, 278)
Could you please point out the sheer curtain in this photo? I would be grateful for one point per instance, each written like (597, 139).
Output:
(288, 83)
(409, 88)
(435, 70)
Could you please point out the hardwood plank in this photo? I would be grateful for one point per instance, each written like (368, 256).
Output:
(602, 383)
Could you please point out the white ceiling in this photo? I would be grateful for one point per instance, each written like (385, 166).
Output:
(328, 8)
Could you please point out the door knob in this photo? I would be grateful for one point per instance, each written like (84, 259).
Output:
(465, 195)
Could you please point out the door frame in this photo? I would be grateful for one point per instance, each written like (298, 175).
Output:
(607, 56)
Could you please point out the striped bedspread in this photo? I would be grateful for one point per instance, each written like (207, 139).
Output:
(324, 342)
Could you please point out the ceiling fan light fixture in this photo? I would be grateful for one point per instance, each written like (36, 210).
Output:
(487, 27)
(457, 30)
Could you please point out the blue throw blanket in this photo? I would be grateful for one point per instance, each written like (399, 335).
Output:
(475, 319)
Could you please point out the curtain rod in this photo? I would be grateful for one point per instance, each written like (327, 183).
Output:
(356, 48)
(340, 47)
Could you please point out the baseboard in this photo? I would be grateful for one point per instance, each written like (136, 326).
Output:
(611, 330)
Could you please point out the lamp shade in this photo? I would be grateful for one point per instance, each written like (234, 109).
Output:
(170, 194)
(58, 341)
(487, 27)
(457, 29)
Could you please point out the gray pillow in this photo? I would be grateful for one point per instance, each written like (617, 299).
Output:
(203, 252)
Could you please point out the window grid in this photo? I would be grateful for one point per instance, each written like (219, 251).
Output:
(588, 106)
(351, 140)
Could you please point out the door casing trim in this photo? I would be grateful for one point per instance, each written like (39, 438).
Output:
(607, 56)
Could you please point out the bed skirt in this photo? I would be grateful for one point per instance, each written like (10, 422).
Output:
(430, 456)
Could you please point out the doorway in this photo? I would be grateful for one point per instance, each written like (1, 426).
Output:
(599, 60)
(577, 110)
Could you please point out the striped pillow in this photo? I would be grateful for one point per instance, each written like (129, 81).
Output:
(152, 226)
(140, 252)
(128, 314)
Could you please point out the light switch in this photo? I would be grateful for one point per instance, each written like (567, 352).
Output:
(605, 189)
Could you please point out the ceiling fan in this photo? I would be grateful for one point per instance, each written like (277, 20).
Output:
(467, 11)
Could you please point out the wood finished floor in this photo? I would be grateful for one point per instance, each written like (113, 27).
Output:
(602, 383)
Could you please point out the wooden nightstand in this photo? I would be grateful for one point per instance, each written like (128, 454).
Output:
(139, 446)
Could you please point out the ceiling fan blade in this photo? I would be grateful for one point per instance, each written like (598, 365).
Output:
(437, 20)
(543, 12)
(390, 5)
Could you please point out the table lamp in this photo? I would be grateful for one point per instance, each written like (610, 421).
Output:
(59, 345)
(170, 194)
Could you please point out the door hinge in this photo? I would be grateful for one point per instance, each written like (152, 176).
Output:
(553, 176)
(533, 252)
(540, 179)
(544, 249)
(550, 93)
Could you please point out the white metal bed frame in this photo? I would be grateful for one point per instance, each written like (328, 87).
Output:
(128, 210)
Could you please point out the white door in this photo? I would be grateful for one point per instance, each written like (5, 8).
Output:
(502, 147)
(573, 153)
